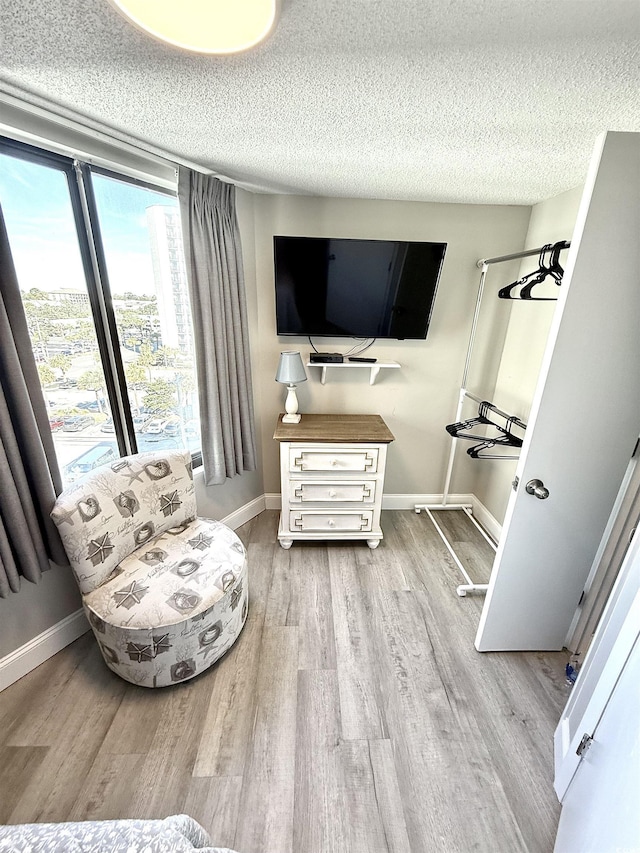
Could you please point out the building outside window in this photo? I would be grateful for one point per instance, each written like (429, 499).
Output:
(100, 267)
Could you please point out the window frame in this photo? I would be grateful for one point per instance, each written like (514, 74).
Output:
(78, 174)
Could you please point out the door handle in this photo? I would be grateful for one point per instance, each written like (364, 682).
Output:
(538, 489)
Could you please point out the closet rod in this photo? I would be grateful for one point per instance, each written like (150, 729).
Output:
(484, 261)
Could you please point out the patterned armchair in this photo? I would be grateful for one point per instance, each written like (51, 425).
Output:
(165, 592)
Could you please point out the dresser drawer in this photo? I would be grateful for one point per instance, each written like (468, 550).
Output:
(363, 459)
(332, 522)
(321, 491)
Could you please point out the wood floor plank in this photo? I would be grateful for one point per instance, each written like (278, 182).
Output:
(319, 821)
(512, 720)
(438, 750)
(228, 721)
(310, 568)
(472, 549)
(361, 709)
(366, 819)
(388, 796)
(164, 776)
(18, 765)
(227, 724)
(427, 561)
(268, 784)
(215, 803)
(384, 564)
(35, 699)
(86, 711)
(282, 606)
(108, 792)
(126, 735)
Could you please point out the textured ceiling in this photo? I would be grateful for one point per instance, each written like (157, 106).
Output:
(484, 101)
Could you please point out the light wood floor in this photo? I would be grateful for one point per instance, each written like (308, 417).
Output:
(353, 715)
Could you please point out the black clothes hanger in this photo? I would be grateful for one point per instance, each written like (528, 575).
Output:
(456, 430)
(478, 451)
(546, 268)
(553, 270)
(531, 278)
(489, 415)
(507, 439)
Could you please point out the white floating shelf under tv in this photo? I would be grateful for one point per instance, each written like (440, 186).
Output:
(373, 368)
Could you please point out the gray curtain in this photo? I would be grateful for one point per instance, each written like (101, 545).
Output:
(29, 475)
(216, 286)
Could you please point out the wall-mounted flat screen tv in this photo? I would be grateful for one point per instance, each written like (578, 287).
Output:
(355, 288)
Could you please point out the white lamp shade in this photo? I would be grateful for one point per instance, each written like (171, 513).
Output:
(290, 369)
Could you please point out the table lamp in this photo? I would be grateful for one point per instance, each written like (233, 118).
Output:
(291, 372)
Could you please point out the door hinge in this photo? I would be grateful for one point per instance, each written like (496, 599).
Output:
(584, 744)
(515, 484)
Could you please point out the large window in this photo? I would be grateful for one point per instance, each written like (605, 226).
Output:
(101, 271)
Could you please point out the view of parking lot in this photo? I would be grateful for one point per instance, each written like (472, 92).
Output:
(160, 379)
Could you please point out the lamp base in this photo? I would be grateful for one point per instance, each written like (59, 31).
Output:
(291, 419)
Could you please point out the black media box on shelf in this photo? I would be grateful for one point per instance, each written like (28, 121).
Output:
(326, 358)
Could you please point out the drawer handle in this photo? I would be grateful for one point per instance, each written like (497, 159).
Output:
(334, 462)
(332, 493)
(331, 523)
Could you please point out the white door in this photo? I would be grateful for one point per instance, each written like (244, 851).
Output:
(584, 420)
(600, 787)
(616, 637)
(600, 813)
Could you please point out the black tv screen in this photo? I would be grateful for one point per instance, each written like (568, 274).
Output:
(355, 288)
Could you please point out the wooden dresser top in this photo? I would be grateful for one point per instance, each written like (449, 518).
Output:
(335, 428)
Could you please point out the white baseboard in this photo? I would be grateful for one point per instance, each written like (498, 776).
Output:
(13, 666)
(247, 512)
(409, 501)
(488, 521)
(51, 641)
(272, 501)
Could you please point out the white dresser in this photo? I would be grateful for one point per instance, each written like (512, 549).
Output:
(332, 477)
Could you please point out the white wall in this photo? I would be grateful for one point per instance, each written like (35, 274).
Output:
(418, 400)
(524, 343)
(36, 608)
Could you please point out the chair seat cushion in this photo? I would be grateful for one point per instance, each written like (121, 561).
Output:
(183, 572)
(174, 606)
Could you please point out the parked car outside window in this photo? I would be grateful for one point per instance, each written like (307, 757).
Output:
(172, 427)
(152, 427)
(75, 423)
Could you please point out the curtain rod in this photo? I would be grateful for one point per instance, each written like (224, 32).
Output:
(483, 261)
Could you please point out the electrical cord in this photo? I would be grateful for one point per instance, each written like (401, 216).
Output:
(353, 350)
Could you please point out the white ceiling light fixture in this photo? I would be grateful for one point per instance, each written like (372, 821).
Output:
(203, 26)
